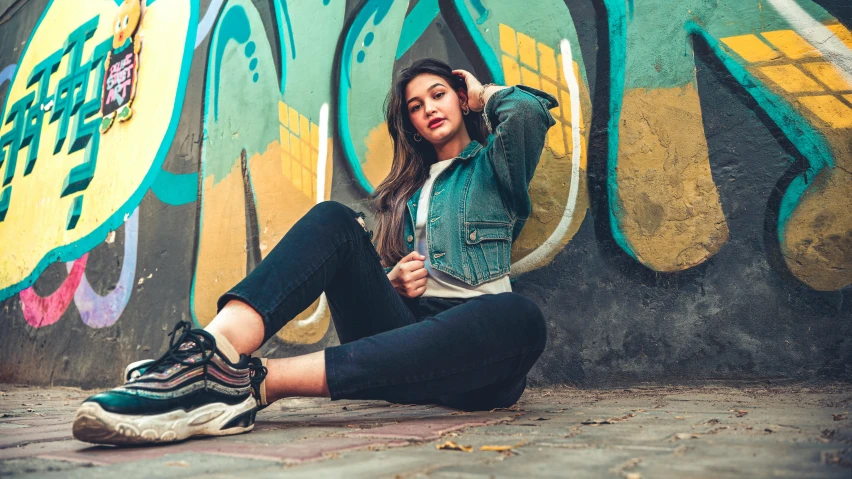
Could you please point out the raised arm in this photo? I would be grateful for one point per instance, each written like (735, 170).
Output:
(518, 118)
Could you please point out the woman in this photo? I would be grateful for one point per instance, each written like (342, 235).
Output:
(424, 315)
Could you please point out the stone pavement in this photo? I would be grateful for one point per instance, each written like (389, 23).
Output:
(650, 432)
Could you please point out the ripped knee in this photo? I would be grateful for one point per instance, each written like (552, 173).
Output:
(359, 216)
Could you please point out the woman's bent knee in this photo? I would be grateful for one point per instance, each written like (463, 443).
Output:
(335, 212)
(528, 318)
(332, 209)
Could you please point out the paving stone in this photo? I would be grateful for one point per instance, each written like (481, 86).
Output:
(32, 466)
(433, 428)
(167, 466)
(31, 450)
(35, 434)
(295, 452)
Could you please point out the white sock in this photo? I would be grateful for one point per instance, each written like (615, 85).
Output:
(225, 347)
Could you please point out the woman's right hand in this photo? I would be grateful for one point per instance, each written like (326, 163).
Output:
(408, 277)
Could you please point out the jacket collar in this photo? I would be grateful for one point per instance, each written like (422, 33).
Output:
(471, 149)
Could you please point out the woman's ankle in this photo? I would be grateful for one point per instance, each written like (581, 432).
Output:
(241, 325)
(298, 376)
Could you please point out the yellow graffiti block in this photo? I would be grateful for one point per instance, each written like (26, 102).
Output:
(848, 98)
(294, 144)
(791, 44)
(829, 109)
(548, 86)
(285, 156)
(507, 40)
(284, 137)
(294, 121)
(379, 153)
(300, 153)
(283, 113)
(297, 175)
(828, 74)
(530, 78)
(791, 79)
(526, 50)
(565, 100)
(751, 48)
(304, 129)
(314, 135)
(842, 33)
(511, 71)
(306, 182)
(547, 56)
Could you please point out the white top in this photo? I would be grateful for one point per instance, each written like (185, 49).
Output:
(439, 284)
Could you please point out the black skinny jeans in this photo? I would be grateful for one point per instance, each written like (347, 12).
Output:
(471, 354)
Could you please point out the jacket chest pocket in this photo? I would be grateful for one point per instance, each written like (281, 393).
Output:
(488, 247)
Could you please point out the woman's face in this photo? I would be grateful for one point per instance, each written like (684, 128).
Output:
(435, 109)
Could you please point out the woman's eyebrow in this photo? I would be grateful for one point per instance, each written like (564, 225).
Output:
(429, 89)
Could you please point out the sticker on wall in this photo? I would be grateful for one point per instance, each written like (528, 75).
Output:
(63, 184)
(122, 65)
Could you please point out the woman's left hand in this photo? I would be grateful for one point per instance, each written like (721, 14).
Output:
(474, 88)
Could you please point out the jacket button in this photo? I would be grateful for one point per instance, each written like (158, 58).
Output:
(410, 238)
(473, 235)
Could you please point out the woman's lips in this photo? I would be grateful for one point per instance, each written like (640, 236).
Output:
(436, 123)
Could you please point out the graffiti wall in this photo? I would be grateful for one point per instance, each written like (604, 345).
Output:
(692, 208)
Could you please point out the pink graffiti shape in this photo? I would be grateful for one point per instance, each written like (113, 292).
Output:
(43, 311)
(101, 311)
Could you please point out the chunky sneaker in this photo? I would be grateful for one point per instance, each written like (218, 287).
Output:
(136, 369)
(199, 387)
(258, 381)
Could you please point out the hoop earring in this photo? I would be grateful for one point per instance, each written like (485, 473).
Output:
(465, 111)
(417, 137)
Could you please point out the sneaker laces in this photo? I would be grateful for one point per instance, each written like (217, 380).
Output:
(183, 347)
(257, 374)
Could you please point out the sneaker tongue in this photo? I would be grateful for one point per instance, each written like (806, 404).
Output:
(225, 348)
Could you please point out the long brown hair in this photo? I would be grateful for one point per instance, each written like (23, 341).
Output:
(411, 159)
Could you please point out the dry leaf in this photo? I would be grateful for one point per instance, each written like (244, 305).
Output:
(451, 446)
(513, 407)
(500, 448)
(741, 412)
(840, 417)
(612, 420)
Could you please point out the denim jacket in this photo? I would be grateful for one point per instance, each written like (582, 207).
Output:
(480, 202)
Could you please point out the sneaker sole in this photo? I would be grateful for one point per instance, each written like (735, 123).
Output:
(96, 425)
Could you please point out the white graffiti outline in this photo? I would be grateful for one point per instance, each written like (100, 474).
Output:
(540, 255)
(322, 160)
(817, 34)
